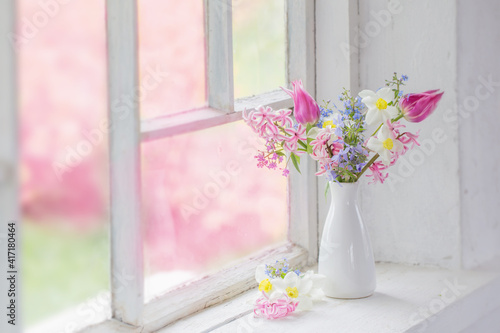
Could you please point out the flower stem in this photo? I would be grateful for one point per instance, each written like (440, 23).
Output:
(393, 120)
(377, 130)
(329, 149)
(397, 118)
(374, 158)
(282, 129)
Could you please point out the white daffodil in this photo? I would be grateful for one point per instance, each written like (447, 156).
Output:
(384, 144)
(378, 106)
(327, 124)
(266, 284)
(302, 289)
(316, 293)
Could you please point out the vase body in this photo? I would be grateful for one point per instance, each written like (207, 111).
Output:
(345, 255)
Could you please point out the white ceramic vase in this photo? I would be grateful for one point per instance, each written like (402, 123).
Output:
(345, 255)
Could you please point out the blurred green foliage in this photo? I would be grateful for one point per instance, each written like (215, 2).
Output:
(61, 267)
(259, 46)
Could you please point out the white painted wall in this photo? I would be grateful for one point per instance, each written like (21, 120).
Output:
(415, 216)
(479, 119)
(439, 204)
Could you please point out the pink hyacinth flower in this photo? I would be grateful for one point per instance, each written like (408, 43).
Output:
(408, 138)
(417, 107)
(378, 175)
(306, 110)
(283, 117)
(262, 116)
(279, 308)
(294, 136)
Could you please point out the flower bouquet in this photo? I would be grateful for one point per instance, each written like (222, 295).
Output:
(335, 137)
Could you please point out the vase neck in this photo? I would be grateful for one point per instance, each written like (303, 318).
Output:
(344, 191)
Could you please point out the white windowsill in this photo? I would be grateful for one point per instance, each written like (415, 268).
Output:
(165, 304)
(407, 299)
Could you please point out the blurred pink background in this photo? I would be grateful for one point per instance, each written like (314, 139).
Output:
(205, 202)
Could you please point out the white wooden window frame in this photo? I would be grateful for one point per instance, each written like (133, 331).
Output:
(126, 244)
(129, 312)
(9, 150)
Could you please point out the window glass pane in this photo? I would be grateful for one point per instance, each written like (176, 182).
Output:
(259, 43)
(63, 166)
(172, 56)
(207, 204)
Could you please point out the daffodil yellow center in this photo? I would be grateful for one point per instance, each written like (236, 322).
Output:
(388, 144)
(328, 123)
(265, 285)
(292, 292)
(381, 104)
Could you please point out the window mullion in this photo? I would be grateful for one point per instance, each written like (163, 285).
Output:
(195, 120)
(219, 48)
(127, 288)
(302, 188)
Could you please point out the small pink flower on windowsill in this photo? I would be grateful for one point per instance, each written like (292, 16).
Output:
(279, 308)
(417, 107)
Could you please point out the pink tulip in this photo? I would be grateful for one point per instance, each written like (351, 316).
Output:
(417, 107)
(306, 109)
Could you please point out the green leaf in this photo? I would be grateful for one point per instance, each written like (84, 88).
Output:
(309, 147)
(302, 144)
(295, 161)
(280, 153)
(326, 189)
